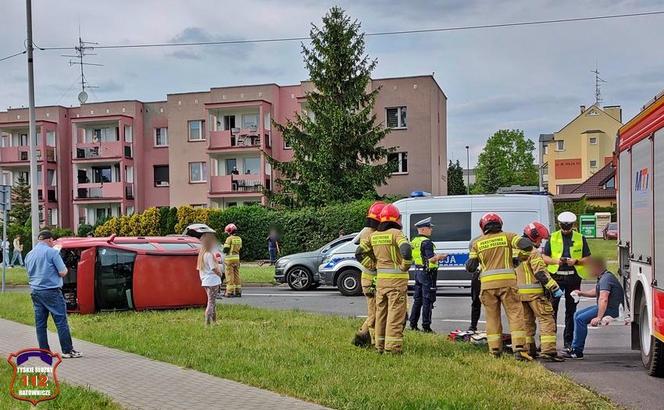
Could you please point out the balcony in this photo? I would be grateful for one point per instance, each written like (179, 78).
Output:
(224, 184)
(22, 154)
(107, 190)
(235, 138)
(102, 150)
(51, 195)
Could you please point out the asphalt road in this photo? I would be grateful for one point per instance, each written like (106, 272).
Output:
(609, 366)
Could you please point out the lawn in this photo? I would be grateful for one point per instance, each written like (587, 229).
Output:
(309, 356)
(15, 276)
(71, 397)
(607, 249)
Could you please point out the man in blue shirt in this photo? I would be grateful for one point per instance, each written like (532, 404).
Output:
(45, 272)
(609, 294)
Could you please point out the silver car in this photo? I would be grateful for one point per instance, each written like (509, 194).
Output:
(300, 270)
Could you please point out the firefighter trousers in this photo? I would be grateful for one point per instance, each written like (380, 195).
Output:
(540, 308)
(233, 284)
(370, 322)
(391, 310)
(493, 299)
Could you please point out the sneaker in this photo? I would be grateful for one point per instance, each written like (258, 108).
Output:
(472, 329)
(567, 348)
(72, 355)
(552, 357)
(574, 354)
(427, 329)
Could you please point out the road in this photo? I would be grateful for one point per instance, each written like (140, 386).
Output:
(609, 366)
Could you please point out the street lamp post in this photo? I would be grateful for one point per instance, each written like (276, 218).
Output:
(467, 169)
(34, 202)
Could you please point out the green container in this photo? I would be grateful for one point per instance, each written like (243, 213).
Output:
(588, 226)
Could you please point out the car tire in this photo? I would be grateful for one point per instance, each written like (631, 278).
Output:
(349, 283)
(299, 278)
(652, 349)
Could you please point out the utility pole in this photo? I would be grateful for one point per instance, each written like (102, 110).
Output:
(34, 182)
(467, 170)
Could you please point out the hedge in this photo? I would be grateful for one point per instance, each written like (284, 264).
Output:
(582, 207)
(301, 230)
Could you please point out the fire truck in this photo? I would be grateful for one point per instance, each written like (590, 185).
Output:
(640, 183)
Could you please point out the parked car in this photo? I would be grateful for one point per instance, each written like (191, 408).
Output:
(610, 231)
(300, 270)
(456, 220)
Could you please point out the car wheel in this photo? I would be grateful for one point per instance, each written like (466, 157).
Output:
(652, 349)
(349, 283)
(299, 278)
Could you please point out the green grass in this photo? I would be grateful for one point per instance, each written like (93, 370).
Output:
(252, 273)
(309, 356)
(607, 249)
(71, 397)
(15, 276)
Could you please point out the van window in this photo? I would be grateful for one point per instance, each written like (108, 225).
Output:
(176, 246)
(449, 226)
(147, 246)
(114, 273)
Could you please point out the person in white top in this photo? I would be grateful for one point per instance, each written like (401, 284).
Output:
(210, 274)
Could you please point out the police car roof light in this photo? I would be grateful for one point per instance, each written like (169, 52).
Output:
(419, 194)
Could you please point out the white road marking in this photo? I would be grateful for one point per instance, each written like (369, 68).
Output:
(289, 295)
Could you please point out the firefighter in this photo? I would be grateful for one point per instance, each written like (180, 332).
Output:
(232, 247)
(426, 275)
(364, 336)
(566, 253)
(535, 289)
(492, 252)
(389, 250)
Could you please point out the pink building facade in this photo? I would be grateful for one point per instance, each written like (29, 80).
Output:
(205, 148)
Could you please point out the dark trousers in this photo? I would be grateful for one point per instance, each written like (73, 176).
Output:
(423, 298)
(51, 301)
(567, 284)
(273, 254)
(476, 305)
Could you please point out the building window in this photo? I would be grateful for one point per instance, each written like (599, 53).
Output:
(161, 177)
(396, 117)
(249, 120)
(545, 149)
(197, 172)
(196, 130)
(161, 137)
(593, 140)
(610, 184)
(128, 135)
(252, 166)
(593, 164)
(560, 145)
(286, 146)
(229, 122)
(400, 161)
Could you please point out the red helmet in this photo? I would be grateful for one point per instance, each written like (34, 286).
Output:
(374, 210)
(490, 218)
(230, 229)
(390, 213)
(536, 232)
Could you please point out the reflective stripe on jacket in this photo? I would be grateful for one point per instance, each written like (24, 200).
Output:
(575, 252)
(417, 252)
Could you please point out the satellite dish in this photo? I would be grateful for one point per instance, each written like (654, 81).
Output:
(82, 97)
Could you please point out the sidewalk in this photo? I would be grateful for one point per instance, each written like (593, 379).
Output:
(136, 382)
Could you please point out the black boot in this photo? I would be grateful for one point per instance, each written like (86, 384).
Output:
(427, 329)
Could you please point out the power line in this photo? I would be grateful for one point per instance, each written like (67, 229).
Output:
(382, 33)
(13, 55)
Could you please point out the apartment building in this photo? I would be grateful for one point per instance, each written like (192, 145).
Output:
(207, 148)
(580, 149)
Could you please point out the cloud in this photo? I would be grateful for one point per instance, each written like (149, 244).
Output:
(200, 35)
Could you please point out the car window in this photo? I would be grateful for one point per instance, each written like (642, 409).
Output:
(335, 243)
(448, 226)
(147, 246)
(175, 246)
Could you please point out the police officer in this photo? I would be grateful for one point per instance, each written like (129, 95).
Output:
(389, 250)
(426, 274)
(365, 334)
(476, 303)
(535, 288)
(492, 252)
(565, 255)
(231, 250)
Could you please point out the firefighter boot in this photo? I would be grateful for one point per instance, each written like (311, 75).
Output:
(552, 357)
(362, 339)
(522, 356)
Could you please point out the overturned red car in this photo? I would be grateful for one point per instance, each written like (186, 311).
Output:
(131, 273)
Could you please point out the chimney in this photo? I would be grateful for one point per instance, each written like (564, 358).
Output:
(583, 108)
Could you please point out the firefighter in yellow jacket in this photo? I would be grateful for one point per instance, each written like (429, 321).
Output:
(492, 253)
(535, 285)
(365, 335)
(391, 253)
(232, 248)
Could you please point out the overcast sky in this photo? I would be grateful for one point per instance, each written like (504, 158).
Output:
(532, 78)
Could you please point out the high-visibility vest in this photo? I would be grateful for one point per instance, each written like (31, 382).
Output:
(576, 251)
(417, 252)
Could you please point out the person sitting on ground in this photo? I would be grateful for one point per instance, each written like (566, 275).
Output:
(609, 294)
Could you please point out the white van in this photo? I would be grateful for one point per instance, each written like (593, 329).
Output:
(456, 220)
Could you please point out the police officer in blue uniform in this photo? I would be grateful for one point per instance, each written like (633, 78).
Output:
(426, 272)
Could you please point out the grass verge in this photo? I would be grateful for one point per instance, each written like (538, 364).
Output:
(15, 276)
(309, 356)
(252, 273)
(607, 249)
(71, 397)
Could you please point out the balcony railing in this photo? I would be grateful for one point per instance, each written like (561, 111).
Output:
(22, 153)
(110, 190)
(112, 149)
(235, 183)
(235, 138)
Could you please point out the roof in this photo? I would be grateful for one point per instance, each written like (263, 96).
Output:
(593, 187)
(567, 189)
(585, 111)
(546, 137)
(568, 197)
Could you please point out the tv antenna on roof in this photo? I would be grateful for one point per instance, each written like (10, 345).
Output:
(82, 50)
(598, 85)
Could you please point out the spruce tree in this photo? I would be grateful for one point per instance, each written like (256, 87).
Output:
(335, 141)
(455, 185)
(20, 212)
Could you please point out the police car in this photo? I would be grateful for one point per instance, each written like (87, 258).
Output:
(456, 223)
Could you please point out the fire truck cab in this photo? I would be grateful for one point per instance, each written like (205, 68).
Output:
(640, 183)
(131, 273)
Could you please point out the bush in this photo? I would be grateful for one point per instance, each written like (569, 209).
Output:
(85, 229)
(575, 207)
